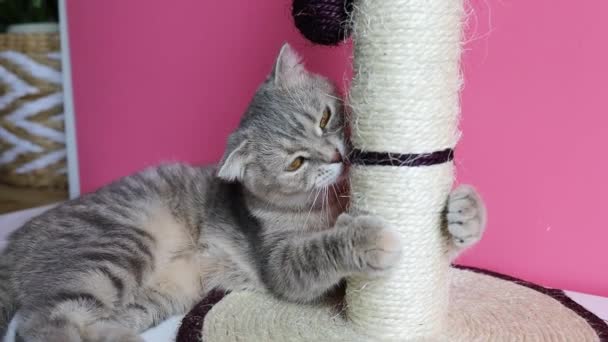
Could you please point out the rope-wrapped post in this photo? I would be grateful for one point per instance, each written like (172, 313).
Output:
(405, 106)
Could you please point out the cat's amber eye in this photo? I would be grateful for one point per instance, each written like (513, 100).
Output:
(296, 164)
(325, 118)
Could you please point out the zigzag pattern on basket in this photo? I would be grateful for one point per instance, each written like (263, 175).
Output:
(32, 138)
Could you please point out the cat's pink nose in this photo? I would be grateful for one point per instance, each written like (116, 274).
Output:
(337, 157)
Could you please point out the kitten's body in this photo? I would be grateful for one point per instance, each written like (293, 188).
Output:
(115, 262)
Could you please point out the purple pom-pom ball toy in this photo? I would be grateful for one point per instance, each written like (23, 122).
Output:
(324, 22)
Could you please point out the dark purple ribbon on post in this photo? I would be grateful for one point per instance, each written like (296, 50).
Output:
(358, 157)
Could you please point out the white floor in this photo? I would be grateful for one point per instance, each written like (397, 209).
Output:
(167, 330)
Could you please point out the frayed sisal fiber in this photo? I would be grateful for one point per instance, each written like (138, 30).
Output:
(404, 99)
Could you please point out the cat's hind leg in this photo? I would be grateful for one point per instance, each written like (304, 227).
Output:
(81, 307)
(79, 318)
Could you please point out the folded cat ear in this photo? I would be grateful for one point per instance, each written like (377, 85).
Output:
(288, 67)
(232, 165)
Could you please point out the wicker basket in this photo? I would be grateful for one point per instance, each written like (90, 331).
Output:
(32, 138)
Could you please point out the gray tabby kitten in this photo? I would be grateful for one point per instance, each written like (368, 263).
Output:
(115, 262)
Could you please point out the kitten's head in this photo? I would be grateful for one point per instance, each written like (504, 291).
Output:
(290, 143)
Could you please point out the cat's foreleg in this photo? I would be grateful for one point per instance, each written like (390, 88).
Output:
(303, 268)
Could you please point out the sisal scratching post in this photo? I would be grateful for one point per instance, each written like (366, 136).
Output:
(405, 107)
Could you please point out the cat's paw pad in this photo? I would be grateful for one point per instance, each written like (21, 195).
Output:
(377, 247)
(466, 216)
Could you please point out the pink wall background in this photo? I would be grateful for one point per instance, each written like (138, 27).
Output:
(154, 82)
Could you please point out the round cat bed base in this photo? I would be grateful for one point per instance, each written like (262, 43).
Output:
(484, 306)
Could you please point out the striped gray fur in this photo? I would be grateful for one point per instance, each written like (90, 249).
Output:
(112, 263)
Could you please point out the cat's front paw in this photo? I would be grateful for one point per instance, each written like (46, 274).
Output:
(466, 216)
(376, 247)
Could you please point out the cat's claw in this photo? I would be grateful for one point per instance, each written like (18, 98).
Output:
(466, 216)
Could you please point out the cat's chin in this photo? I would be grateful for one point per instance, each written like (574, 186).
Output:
(342, 194)
(292, 201)
(333, 195)
(343, 178)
